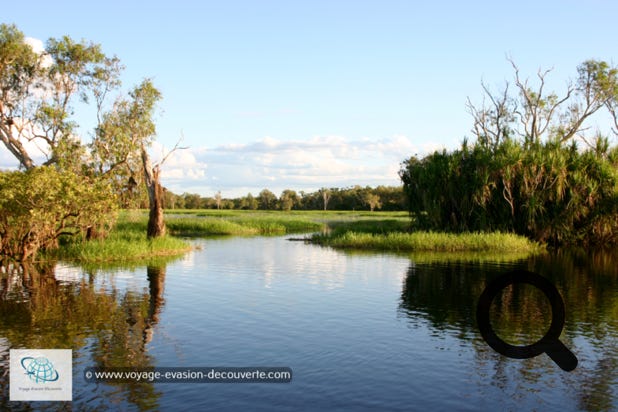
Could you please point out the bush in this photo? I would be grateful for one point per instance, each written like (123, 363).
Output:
(40, 205)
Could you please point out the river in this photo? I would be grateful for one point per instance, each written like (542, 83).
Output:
(360, 331)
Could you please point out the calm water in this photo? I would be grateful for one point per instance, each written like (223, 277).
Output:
(359, 331)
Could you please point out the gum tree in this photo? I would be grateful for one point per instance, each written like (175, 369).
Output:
(121, 143)
(38, 92)
(54, 195)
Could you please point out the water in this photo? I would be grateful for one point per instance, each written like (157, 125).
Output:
(359, 331)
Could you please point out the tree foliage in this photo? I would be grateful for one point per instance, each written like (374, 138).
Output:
(42, 204)
(386, 198)
(39, 91)
(526, 172)
(267, 200)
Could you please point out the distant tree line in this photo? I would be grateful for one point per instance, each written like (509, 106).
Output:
(385, 198)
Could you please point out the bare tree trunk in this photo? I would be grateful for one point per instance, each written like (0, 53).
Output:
(13, 144)
(156, 224)
(325, 197)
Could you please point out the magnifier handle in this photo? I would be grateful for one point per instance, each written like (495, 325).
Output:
(563, 357)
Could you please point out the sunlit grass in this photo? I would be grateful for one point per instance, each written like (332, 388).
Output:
(126, 242)
(428, 241)
(240, 225)
(383, 231)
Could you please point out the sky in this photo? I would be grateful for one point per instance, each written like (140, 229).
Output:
(308, 94)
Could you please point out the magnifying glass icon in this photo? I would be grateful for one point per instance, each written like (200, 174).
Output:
(549, 343)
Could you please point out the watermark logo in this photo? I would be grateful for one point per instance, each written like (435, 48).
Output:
(39, 369)
(41, 375)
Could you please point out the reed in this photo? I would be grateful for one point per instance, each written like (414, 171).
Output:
(428, 241)
(242, 225)
(126, 242)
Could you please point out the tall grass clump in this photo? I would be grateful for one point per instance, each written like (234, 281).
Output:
(126, 242)
(428, 241)
(240, 225)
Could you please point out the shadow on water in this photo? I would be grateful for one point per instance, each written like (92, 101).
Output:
(111, 318)
(444, 296)
(104, 325)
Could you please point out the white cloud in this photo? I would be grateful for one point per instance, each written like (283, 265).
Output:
(320, 161)
(39, 48)
(36, 44)
(181, 165)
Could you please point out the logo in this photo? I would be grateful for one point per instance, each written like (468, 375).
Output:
(39, 369)
(41, 375)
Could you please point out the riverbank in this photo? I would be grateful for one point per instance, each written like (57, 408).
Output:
(391, 235)
(127, 241)
(202, 223)
(382, 231)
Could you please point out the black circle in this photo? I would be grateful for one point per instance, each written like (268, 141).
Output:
(557, 307)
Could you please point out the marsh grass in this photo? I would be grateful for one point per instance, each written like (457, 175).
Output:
(383, 231)
(427, 241)
(242, 225)
(126, 242)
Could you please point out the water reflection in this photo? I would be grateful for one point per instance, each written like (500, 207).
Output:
(105, 327)
(360, 331)
(444, 296)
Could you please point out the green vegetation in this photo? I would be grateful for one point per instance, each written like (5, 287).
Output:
(41, 205)
(75, 189)
(245, 222)
(526, 173)
(384, 198)
(381, 236)
(126, 242)
(204, 226)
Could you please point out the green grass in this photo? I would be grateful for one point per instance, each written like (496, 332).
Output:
(383, 231)
(246, 224)
(427, 241)
(126, 242)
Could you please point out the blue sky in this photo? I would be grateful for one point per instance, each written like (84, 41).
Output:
(305, 94)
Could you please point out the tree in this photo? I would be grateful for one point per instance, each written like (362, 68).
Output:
(288, 199)
(326, 193)
(37, 92)
(126, 132)
(191, 200)
(267, 200)
(252, 203)
(218, 199)
(535, 115)
(41, 204)
(525, 173)
(372, 200)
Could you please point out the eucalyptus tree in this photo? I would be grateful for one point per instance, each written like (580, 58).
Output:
(372, 200)
(43, 91)
(267, 200)
(39, 92)
(288, 200)
(121, 142)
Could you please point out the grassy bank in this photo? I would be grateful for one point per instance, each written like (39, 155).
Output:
(126, 242)
(391, 236)
(384, 231)
(244, 224)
